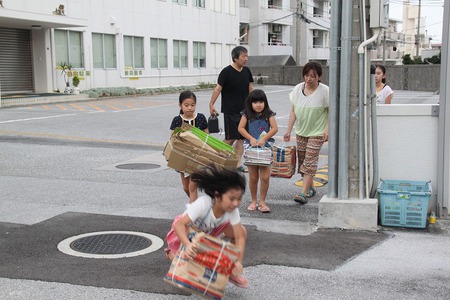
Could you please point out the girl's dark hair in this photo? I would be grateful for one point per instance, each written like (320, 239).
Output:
(212, 180)
(383, 69)
(236, 52)
(186, 95)
(254, 96)
(312, 65)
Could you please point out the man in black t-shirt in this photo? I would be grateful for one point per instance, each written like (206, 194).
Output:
(234, 83)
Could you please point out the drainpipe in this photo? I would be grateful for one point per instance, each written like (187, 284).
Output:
(362, 55)
(373, 117)
(333, 110)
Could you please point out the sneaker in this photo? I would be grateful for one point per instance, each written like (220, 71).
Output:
(238, 281)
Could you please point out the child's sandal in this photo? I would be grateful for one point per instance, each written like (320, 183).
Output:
(311, 192)
(301, 198)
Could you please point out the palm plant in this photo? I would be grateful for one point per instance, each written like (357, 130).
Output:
(66, 70)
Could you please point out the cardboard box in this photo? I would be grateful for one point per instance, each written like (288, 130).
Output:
(207, 274)
(186, 157)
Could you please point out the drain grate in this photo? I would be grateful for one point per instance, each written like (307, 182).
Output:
(110, 244)
(138, 166)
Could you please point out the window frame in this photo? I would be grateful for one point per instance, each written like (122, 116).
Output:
(68, 48)
(158, 54)
(104, 47)
(177, 57)
(197, 55)
(133, 53)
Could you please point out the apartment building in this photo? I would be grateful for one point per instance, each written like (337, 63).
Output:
(415, 40)
(135, 43)
(388, 50)
(286, 27)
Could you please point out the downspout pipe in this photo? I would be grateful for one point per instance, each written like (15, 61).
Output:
(373, 117)
(344, 103)
(333, 112)
(362, 111)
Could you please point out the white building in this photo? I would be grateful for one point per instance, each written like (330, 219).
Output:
(314, 31)
(388, 51)
(415, 40)
(265, 26)
(273, 27)
(135, 43)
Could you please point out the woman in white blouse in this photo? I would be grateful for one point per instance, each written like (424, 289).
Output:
(384, 91)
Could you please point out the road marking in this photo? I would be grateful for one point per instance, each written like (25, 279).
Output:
(82, 139)
(38, 118)
(60, 106)
(96, 107)
(77, 107)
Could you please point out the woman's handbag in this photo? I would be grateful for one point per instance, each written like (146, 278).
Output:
(213, 124)
(285, 161)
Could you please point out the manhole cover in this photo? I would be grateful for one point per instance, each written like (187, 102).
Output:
(110, 244)
(138, 166)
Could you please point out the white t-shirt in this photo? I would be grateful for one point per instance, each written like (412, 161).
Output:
(383, 94)
(202, 216)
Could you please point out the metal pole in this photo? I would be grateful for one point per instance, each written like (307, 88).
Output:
(443, 175)
(333, 114)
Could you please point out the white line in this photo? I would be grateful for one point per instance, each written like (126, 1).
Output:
(40, 118)
(278, 91)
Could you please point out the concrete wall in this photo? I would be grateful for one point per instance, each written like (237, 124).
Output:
(407, 77)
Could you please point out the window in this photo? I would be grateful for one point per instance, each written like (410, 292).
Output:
(198, 3)
(199, 54)
(69, 47)
(216, 5)
(180, 54)
(180, 1)
(216, 55)
(230, 7)
(158, 53)
(104, 49)
(134, 52)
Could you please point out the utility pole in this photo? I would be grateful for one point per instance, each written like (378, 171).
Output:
(384, 47)
(418, 31)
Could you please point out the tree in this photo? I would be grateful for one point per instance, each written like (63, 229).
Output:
(407, 59)
(434, 60)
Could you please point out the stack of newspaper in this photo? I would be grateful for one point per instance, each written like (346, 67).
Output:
(258, 156)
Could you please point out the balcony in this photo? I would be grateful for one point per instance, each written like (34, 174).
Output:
(271, 13)
(276, 48)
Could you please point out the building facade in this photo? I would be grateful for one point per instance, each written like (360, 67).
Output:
(416, 37)
(135, 43)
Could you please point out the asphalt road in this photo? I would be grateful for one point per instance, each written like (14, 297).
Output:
(59, 178)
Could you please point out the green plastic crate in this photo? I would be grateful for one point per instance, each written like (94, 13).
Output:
(404, 203)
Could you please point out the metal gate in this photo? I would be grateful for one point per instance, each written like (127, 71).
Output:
(16, 64)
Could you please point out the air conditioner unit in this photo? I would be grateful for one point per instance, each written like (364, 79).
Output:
(315, 33)
(276, 28)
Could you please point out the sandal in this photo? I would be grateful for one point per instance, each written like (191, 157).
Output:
(252, 207)
(311, 192)
(301, 198)
(264, 209)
